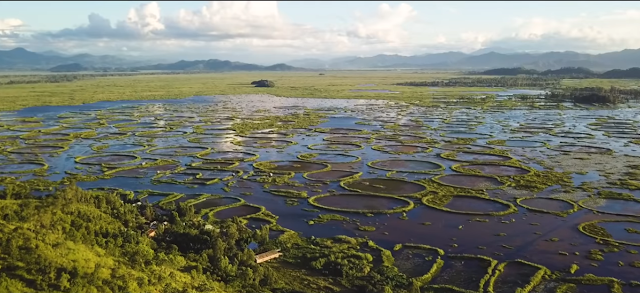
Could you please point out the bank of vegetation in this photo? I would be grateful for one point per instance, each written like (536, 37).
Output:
(490, 82)
(565, 72)
(594, 95)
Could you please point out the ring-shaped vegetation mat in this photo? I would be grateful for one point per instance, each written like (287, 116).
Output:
(470, 204)
(528, 129)
(108, 159)
(575, 148)
(494, 169)
(331, 175)
(46, 136)
(214, 165)
(121, 122)
(178, 150)
(110, 136)
(340, 130)
(144, 170)
(453, 128)
(38, 149)
(614, 206)
(197, 176)
(470, 181)
(475, 157)
(623, 135)
(119, 148)
(209, 139)
(265, 143)
(460, 134)
(403, 138)
(517, 143)
(162, 133)
(291, 166)
(23, 167)
(340, 147)
(76, 131)
(401, 149)
(139, 125)
(347, 139)
(10, 133)
(216, 132)
(240, 211)
(213, 202)
(272, 135)
(58, 141)
(219, 126)
(465, 147)
(233, 156)
(408, 166)
(550, 205)
(362, 203)
(329, 158)
(620, 235)
(575, 135)
(384, 186)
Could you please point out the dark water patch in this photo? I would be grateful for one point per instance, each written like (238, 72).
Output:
(214, 202)
(465, 147)
(178, 150)
(142, 171)
(124, 147)
(329, 158)
(624, 135)
(338, 130)
(48, 136)
(574, 148)
(417, 166)
(400, 137)
(414, 262)
(291, 166)
(384, 186)
(209, 139)
(256, 223)
(361, 202)
(335, 147)
(331, 175)
(515, 276)
(496, 169)
(613, 206)
(469, 181)
(480, 157)
(217, 132)
(577, 135)
(401, 148)
(21, 167)
(347, 138)
(521, 143)
(467, 135)
(213, 165)
(228, 156)
(462, 272)
(109, 159)
(546, 204)
(264, 143)
(267, 135)
(39, 149)
(238, 211)
(473, 204)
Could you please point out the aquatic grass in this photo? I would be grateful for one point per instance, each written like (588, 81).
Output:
(592, 229)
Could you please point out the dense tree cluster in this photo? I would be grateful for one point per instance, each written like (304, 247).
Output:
(565, 72)
(594, 95)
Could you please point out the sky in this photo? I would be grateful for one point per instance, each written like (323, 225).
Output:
(269, 32)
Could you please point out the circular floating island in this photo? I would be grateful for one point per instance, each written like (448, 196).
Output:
(331, 175)
(291, 166)
(209, 139)
(403, 138)
(329, 158)
(236, 156)
(550, 205)
(470, 181)
(263, 143)
(464, 147)
(178, 150)
(410, 166)
(347, 138)
(240, 211)
(494, 169)
(384, 186)
(345, 147)
(38, 149)
(362, 203)
(119, 148)
(614, 206)
(575, 148)
(213, 165)
(22, 167)
(108, 159)
(518, 143)
(622, 229)
(475, 157)
(575, 135)
(398, 149)
(470, 204)
(161, 134)
(340, 130)
(272, 135)
(461, 134)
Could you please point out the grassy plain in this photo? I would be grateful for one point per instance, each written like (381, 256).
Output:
(332, 84)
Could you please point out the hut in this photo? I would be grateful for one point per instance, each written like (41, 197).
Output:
(269, 255)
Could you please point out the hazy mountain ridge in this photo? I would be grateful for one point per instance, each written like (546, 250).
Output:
(485, 60)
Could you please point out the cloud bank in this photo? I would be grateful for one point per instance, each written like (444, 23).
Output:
(259, 28)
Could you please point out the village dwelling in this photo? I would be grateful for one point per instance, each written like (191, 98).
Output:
(269, 255)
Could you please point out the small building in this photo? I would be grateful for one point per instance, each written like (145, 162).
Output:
(269, 255)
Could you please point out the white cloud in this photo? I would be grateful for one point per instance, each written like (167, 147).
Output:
(386, 26)
(609, 31)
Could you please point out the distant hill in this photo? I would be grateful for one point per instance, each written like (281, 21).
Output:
(72, 67)
(566, 72)
(217, 65)
(484, 59)
(21, 59)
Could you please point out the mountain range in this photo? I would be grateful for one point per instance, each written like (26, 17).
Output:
(487, 58)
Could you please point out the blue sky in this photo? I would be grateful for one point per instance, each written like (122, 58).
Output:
(283, 30)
